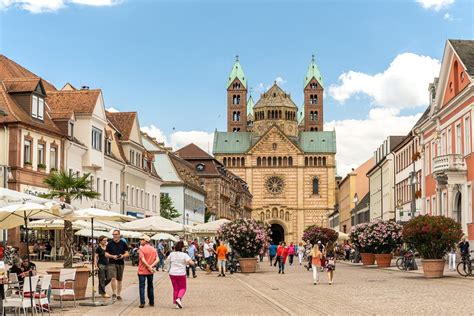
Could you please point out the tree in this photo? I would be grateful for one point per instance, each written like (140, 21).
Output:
(67, 187)
(167, 209)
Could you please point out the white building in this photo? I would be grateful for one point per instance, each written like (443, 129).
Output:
(180, 182)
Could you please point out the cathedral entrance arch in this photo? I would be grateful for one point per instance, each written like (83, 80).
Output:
(278, 233)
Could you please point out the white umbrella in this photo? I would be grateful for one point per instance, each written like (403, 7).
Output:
(8, 196)
(209, 227)
(98, 225)
(87, 232)
(95, 214)
(52, 224)
(342, 236)
(129, 234)
(164, 236)
(153, 224)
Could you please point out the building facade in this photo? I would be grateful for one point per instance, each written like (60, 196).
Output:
(446, 138)
(228, 196)
(284, 155)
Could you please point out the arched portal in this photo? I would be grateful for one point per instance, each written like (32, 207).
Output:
(457, 216)
(278, 233)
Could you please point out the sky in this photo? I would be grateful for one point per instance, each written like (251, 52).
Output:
(170, 59)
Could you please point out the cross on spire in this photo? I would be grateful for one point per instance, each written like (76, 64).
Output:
(237, 57)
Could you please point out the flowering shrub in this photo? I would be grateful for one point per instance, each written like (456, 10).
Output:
(432, 236)
(245, 236)
(377, 237)
(313, 234)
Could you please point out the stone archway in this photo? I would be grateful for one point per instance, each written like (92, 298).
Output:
(278, 233)
(457, 214)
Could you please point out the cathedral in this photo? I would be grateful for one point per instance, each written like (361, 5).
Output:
(282, 152)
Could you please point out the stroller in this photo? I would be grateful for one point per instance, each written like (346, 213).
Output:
(134, 256)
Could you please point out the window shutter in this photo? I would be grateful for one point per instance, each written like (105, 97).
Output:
(40, 108)
(34, 107)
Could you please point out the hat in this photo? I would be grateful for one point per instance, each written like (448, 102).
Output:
(145, 238)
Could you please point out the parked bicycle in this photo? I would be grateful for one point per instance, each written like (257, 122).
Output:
(407, 261)
(466, 266)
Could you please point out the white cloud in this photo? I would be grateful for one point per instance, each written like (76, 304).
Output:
(262, 87)
(41, 6)
(179, 139)
(435, 4)
(112, 109)
(403, 84)
(357, 139)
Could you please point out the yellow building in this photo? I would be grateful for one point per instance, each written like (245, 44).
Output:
(283, 154)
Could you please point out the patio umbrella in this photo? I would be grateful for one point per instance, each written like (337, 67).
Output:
(15, 215)
(164, 236)
(52, 224)
(129, 234)
(95, 214)
(153, 224)
(209, 227)
(8, 196)
(343, 236)
(87, 232)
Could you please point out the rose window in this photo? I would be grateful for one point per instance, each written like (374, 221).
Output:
(274, 185)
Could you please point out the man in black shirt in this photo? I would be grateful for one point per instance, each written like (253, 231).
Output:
(116, 250)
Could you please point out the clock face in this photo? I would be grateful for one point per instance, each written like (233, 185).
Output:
(274, 185)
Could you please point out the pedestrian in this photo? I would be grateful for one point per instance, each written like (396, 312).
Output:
(177, 261)
(272, 250)
(102, 263)
(221, 258)
(330, 261)
(291, 252)
(323, 260)
(116, 251)
(192, 254)
(308, 249)
(278, 253)
(452, 259)
(316, 256)
(160, 249)
(147, 260)
(301, 251)
(464, 250)
(208, 252)
(282, 258)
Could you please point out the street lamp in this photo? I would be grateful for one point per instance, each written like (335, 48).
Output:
(123, 197)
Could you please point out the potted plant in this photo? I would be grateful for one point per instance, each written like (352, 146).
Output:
(41, 166)
(246, 237)
(360, 240)
(27, 164)
(312, 234)
(385, 237)
(432, 237)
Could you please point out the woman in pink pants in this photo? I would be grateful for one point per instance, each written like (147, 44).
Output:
(177, 261)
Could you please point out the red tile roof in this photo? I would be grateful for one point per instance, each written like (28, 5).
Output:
(19, 85)
(64, 104)
(192, 151)
(123, 121)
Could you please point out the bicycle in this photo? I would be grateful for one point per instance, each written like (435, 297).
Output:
(203, 263)
(406, 261)
(466, 266)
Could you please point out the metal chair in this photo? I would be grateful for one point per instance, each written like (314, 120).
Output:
(51, 255)
(41, 297)
(23, 301)
(66, 277)
(33, 255)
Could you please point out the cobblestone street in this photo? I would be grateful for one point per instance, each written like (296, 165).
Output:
(356, 290)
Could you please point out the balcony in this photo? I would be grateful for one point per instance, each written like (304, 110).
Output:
(452, 162)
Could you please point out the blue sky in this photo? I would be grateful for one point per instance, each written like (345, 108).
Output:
(169, 60)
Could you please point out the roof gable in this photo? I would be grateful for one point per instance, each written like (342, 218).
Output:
(23, 85)
(193, 151)
(272, 136)
(275, 97)
(465, 50)
(64, 104)
(124, 122)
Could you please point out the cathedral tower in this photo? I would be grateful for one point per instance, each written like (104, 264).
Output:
(313, 99)
(237, 99)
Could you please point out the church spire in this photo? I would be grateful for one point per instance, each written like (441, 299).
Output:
(237, 73)
(313, 72)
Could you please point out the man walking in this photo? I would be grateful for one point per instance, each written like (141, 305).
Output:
(116, 250)
(148, 258)
(192, 254)
(160, 249)
(221, 258)
(208, 251)
(272, 251)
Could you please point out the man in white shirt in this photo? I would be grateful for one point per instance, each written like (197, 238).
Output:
(208, 251)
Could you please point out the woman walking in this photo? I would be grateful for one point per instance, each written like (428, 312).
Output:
(330, 261)
(177, 261)
(316, 256)
(282, 258)
(291, 252)
(102, 262)
(301, 251)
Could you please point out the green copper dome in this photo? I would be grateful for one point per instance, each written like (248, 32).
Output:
(237, 72)
(313, 72)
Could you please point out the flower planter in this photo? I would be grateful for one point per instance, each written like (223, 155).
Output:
(367, 258)
(248, 265)
(433, 268)
(383, 259)
(82, 277)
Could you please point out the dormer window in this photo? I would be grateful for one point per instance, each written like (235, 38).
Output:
(37, 107)
(71, 129)
(108, 146)
(200, 167)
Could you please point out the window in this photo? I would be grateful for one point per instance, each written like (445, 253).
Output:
(53, 158)
(108, 147)
(128, 195)
(116, 193)
(97, 189)
(132, 157)
(40, 154)
(37, 107)
(71, 129)
(449, 141)
(313, 85)
(467, 136)
(110, 192)
(458, 136)
(104, 195)
(200, 167)
(27, 151)
(315, 186)
(96, 139)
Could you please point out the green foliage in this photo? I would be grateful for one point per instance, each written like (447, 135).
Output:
(207, 216)
(68, 186)
(432, 236)
(314, 233)
(167, 209)
(42, 166)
